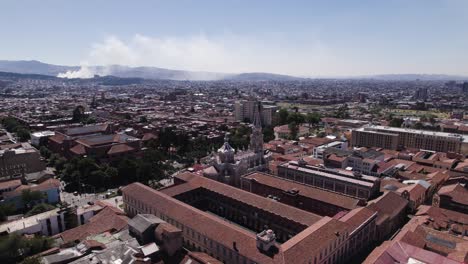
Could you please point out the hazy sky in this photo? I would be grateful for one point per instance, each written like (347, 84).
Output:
(305, 38)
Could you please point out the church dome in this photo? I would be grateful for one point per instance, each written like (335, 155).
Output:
(226, 152)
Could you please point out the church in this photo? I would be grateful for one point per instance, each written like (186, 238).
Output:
(228, 165)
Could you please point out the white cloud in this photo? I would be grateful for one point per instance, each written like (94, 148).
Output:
(228, 53)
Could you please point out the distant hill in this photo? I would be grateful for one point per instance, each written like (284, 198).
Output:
(34, 67)
(422, 77)
(260, 76)
(37, 67)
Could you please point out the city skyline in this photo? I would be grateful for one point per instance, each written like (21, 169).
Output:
(301, 38)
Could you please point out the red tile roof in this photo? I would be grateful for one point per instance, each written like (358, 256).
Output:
(78, 149)
(109, 219)
(262, 203)
(208, 225)
(357, 217)
(388, 205)
(304, 190)
(121, 148)
(455, 191)
(9, 184)
(313, 239)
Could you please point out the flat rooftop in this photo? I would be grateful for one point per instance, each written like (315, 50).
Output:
(27, 222)
(344, 176)
(463, 138)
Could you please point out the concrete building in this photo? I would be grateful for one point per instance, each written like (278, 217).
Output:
(359, 160)
(49, 188)
(15, 162)
(319, 150)
(340, 181)
(244, 111)
(47, 224)
(41, 138)
(240, 227)
(299, 195)
(399, 138)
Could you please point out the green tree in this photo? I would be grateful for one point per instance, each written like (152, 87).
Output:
(78, 113)
(313, 119)
(60, 164)
(268, 134)
(283, 116)
(296, 117)
(15, 248)
(342, 112)
(32, 260)
(23, 134)
(293, 130)
(418, 125)
(143, 119)
(396, 122)
(127, 169)
(29, 197)
(39, 208)
(45, 152)
(6, 209)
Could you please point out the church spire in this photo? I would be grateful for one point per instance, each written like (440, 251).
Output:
(257, 121)
(256, 138)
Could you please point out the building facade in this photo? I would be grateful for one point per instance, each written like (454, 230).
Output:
(245, 110)
(228, 165)
(399, 138)
(344, 182)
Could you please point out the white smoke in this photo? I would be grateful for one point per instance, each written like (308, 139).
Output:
(225, 54)
(84, 72)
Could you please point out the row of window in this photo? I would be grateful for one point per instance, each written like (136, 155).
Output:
(189, 233)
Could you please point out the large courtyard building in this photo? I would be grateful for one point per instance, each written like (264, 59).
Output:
(400, 138)
(236, 226)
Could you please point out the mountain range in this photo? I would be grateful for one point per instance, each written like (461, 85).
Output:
(37, 67)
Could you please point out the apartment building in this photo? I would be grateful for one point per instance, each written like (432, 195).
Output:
(399, 138)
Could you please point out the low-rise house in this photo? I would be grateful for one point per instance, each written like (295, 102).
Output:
(453, 197)
(50, 190)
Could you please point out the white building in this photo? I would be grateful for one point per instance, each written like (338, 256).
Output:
(48, 224)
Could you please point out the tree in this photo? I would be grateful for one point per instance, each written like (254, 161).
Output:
(268, 134)
(396, 122)
(15, 248)
(313, 118)
(6, 209)
(342, 112)
(78, 113)
(418, 125)
(60, 164)
(32, 260)
(143, 119)
(283, 116)
(39, 208)
(23, 134)
(31, 197)
(296, 117)
(293, 130)
(45, 152)
(127, 169)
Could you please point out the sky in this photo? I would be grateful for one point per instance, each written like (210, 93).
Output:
(301, 38)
